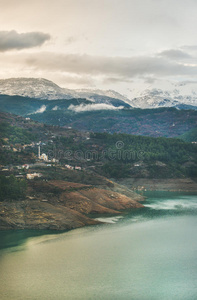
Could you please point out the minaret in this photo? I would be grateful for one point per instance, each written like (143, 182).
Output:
(38, 151)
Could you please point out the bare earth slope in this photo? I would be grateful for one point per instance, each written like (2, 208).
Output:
(61, 205)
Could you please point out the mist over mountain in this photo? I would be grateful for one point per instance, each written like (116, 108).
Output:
(83, 114)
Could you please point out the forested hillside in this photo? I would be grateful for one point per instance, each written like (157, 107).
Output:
(82, 114)
(112, 155)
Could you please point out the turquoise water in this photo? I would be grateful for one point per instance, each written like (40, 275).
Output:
(147, 254)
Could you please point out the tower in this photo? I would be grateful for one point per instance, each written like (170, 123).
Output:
(38, 151)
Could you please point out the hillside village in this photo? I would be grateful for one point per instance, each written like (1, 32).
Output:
(32, 150)
(36, 150)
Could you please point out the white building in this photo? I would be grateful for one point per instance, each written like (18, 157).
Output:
(44, 157)
(78, 168)
(25, 166)
(33, 175)
(69, 167)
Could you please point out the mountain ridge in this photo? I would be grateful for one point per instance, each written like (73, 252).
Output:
(44, 89)
(168, 122)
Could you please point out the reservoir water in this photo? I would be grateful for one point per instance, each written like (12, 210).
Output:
(145, 254)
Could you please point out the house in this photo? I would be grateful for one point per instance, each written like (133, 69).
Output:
(69, 167)
(78, 168)
(5, 169)
(25, 166)
(44, 157)
(33, 175)
(54, 160)
(7, 147)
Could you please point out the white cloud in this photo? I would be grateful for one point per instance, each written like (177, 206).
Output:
(40, 110)
(93, 107)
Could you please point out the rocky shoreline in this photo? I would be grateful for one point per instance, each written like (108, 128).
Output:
(60, 205)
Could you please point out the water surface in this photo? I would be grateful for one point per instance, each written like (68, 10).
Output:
(147, 254)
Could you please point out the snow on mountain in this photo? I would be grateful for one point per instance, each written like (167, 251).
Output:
(160, 94)
(34, 88)
(86, 93)
(154, 98)
(45, 89)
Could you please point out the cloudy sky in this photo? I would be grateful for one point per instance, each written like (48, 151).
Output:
(109, 44)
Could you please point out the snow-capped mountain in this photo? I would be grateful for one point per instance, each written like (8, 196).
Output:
(169, 95)
(86, 93)
(40, 88)
(157, 98)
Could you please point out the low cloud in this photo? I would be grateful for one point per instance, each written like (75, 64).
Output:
(116, 80)
(186, 82)
(93, 107)
(100, 67)
(123, 67)
(12, 40)
(175, 54)
(189, 47)
(40, 110)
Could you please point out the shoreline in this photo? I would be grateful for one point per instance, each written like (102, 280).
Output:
(82, 206)
(154, 184)
(60, 205)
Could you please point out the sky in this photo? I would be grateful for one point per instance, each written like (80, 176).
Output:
(124, 45)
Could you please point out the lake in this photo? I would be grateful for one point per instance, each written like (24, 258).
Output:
(145, 254)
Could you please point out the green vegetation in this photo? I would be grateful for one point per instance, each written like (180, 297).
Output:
(12, 188)
(25, 106)
(166, 122)
(190, 136)
(140, 156)
(133, 148)
(123, 155)
(16, 135)
(111, 155)
(8, 157)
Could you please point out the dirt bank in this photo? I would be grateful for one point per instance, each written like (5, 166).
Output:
(61, 205)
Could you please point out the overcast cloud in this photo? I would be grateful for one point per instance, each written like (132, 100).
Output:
(111, 44)
(175, 54)
(123, 67)
(10, 40)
